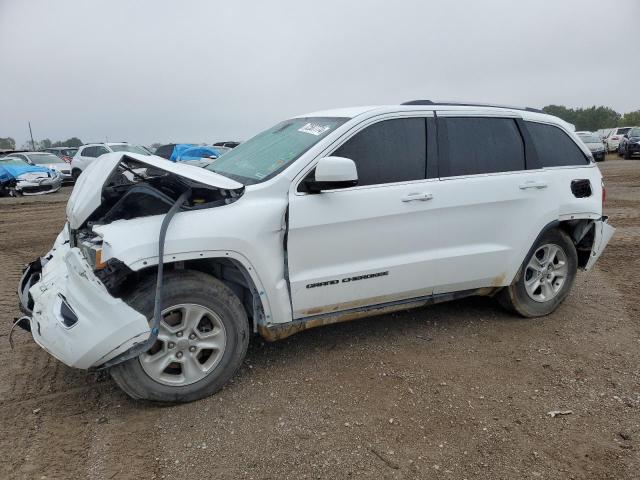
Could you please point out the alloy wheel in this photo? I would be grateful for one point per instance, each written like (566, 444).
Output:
(191, 342)
(546, 273)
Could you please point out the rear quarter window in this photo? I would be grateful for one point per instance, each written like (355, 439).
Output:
(476, 145)
(554, 147)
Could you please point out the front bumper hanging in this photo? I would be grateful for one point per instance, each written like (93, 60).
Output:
(73, 316)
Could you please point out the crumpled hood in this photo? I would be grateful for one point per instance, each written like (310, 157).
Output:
(87, 193)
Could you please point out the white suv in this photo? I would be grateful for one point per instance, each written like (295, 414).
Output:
(89, 152)
(614, 137)
(327, 217)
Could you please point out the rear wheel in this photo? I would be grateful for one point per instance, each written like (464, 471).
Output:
(545, 278)
(203, 338)
(75, 173)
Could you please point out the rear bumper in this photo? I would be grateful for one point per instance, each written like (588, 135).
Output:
(73, 316)
(602, 234)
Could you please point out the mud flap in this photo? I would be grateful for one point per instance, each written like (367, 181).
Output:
(603, 233)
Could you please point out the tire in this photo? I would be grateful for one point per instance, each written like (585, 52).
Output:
(516, 296)
(75, 173)
(186, 291)
(627, 156)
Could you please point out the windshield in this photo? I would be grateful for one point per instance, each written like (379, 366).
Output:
(129, 148)
(271, 151)
(44, 158)
(13, 161)
(590, 139)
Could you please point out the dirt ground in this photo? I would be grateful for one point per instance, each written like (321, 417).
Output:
(453, 391)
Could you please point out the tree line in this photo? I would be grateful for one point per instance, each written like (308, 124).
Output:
(594, 118)
(590, 118)
(8, 143)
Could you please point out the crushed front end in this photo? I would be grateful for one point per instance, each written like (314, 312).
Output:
(74, 296)
(73, 316)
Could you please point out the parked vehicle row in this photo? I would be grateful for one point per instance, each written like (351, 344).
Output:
(65, 153)
(594, 144)
(613, 139)
(323, 218)
(629, 145)
(87, 153)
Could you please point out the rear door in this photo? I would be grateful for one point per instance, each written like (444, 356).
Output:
(488, 205)
(367, 244)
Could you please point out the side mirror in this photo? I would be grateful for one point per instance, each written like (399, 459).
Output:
(332, 173)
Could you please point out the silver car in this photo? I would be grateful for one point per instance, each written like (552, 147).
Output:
(48, 160)
(31, 179)
(594, 144)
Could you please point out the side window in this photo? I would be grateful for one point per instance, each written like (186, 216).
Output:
(100, 151)
(88, 152)
(476, 145)
(555, 148)
(388, 151)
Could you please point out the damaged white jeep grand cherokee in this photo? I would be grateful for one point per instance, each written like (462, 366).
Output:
(163, 270)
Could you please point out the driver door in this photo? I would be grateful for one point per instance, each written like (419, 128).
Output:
(364, 245)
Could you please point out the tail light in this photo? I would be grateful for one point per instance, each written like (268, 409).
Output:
(615, 138)
(604, 194)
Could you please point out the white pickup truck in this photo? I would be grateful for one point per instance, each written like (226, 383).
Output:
(163, 271)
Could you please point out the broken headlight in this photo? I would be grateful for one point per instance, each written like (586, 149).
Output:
(91, 248)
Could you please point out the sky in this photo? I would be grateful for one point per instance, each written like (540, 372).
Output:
(206, 70)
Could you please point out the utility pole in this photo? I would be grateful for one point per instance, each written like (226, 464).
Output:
(33, 145)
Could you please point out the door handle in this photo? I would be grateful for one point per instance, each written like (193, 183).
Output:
(534, 184)
(413, 197)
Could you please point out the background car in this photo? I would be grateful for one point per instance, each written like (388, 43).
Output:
(613, 140)
(594, 144)
(89, 152)
(30, 179)
(226, 144)
(65, 153)
(48, 160)
(198, 155)
(630, 143)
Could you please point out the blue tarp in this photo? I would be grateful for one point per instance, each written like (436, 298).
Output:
(5, 176)
(15, 168)
(186, 151)
(178, 149)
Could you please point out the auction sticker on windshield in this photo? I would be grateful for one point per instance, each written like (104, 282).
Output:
(314, 129)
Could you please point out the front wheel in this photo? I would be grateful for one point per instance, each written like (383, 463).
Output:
(204, 334)
(545, 278)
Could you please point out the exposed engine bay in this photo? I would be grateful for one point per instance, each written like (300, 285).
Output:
(136, 190)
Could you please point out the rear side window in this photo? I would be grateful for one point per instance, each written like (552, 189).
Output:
(474, 145)
(388, 151)
(555, 148)
(89, 152)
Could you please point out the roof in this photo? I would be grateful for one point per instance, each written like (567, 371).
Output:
(526, 113)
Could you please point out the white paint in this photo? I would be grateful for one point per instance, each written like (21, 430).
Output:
(429, 236)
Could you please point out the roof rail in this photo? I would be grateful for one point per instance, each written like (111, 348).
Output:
(464, 104)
